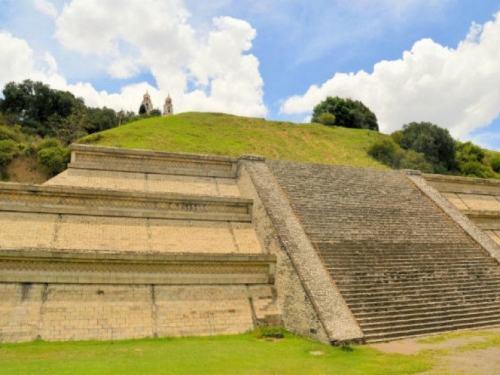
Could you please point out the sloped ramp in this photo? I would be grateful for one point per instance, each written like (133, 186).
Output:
(403, 266)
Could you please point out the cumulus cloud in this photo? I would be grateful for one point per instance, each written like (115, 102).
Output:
(457, 88)
(45, 7)
(208, 68)
(203, 69)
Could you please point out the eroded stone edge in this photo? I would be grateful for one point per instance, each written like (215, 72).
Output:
(449, 209)
(337, 319)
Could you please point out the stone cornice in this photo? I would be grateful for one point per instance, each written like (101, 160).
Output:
(156, 162)
(48, 266)
(101, 202)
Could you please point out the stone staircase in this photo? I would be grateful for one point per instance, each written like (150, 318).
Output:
(403, 267)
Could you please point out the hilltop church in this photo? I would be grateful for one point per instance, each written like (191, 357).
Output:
(168, 108)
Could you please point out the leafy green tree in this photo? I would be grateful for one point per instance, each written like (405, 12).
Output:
(416, 160)
(348, 113)
(155, 112)
(142, 109)
(99, 119)
(434, 142)
(37, 107)
(387, 152)
(469, 159)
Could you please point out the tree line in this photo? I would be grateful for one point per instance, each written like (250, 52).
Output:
(418, 145)
(38, 121)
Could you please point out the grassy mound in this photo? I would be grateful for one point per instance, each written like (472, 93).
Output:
(222, 134)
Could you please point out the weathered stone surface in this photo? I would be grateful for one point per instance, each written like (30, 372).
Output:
(478, 199)
(311, 304)
(156, 162)
(403, 263)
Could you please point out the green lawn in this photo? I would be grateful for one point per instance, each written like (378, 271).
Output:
(222, 134)
(241, 354)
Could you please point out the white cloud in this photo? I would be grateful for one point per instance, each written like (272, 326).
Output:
(45, 7)
(455, 88)
(207, 69)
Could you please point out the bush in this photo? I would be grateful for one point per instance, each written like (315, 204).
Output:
(495, 163)
(326, 118)
(10, 133)
(271, 332)
(48, 143)
(476, 169)
(387, 152)
(416, 160)
(8, 150)
(53, 159)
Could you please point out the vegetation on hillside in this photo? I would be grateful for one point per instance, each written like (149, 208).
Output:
(222, 134)
(347, 113)
(431, 149)
(31, 112)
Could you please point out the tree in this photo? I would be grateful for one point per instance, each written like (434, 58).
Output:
(348, 113)
(99, 119)
(434, 142)
(469, 159)
(36, 106)
(142, 109)
(387, 152)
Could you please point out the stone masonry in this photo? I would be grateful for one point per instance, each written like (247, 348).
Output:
(133, 243)
(129, 244)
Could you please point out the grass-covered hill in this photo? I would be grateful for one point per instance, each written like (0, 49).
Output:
(223, 134)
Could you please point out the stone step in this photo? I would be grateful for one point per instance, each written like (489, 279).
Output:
(432, 326)
(417, 303)
(413, 249)
(408, 264)
(408, 272)
(411, 289)
(415, 315)
(386, 301)
(468, 291)
(407, 278)
(416, 310)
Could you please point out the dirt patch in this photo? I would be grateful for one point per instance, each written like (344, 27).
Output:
(449, 358)
(25, 170)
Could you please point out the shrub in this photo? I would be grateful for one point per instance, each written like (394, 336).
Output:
(8, 150)
(387, 152)
(495, 163)
(53, 159)
(416, 160)
(271, 332)
(48, 143)
(326, 118)
(476, 169)
(9, 133)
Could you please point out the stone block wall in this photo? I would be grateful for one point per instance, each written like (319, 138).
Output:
(60, 312)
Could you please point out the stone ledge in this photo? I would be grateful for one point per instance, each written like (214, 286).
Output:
(44, 266)
(156, 162)
(472, 230)
(97, 202)
(463, 185)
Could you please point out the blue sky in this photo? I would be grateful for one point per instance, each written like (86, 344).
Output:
(408, 60)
